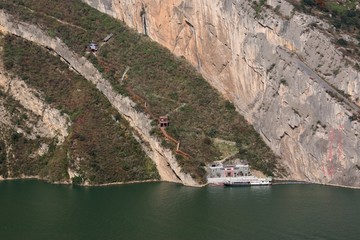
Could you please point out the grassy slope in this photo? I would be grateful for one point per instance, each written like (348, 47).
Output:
(21, 147)
(345, 18)
(108, 151)
(157, 76)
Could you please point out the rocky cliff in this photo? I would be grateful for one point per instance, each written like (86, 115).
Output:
(279, 67)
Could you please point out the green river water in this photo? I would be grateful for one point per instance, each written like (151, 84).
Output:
(37, 210)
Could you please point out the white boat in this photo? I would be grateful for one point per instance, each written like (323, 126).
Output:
(247, 181)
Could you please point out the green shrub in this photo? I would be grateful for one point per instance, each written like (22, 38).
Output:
(342, 42)
(77, 180)
(2, 153)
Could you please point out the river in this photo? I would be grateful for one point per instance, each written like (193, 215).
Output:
(36, 210)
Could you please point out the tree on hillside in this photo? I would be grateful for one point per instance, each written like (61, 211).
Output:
(320, 3)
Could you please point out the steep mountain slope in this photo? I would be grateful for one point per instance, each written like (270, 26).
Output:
(279, 67)
(63, 143)
(200, 119)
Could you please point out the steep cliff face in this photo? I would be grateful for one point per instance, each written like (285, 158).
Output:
(281, 72)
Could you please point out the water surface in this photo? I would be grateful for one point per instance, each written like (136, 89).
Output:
(37, 210)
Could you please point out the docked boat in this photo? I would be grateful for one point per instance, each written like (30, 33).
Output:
(247, 181)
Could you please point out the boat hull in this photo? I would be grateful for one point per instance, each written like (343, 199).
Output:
(237, 184)
(247, 183)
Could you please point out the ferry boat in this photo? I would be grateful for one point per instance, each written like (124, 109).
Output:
(247, 181)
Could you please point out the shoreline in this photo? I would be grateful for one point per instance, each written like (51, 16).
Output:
(83, 185)
(277, 182)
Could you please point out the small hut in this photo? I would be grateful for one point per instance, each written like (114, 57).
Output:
(93, 46)
(163, 121)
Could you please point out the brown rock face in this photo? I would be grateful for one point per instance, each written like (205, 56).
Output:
(281, 72)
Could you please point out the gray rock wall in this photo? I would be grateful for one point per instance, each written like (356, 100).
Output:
(279, 68)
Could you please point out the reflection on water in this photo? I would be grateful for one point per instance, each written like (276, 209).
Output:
(36, 210)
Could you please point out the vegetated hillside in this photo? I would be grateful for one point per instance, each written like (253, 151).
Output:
(198, 114)
(344, 16)
(100, 146)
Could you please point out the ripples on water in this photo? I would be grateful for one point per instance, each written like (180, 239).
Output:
(36, 210)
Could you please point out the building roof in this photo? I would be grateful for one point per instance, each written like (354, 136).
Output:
(93, 46)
